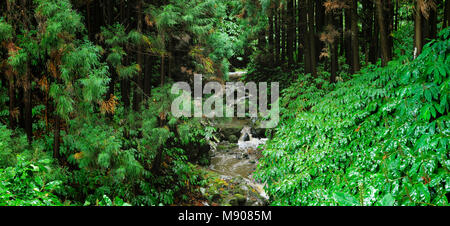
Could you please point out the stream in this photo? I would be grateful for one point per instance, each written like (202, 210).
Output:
(233, 161)
(232, 165)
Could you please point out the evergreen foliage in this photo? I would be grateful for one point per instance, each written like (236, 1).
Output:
(85, 101)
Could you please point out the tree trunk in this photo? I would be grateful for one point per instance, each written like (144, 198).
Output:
(334, 62)
(57, 137)
(147, 77)
(112, 83)
(432, 25)
(312, 40)
(28, 105)
(331, 20)
(125, 83)
(446, 14)
(8, 6)
(418, 36)
(367, 27)
(262, 40)
(271, 38)
(304, 36)
(389, 15)
(137, 96)
(283, 34)
(348, 38)
(290, 33)
(355, 36)
(301, 31)
(170, 60)
(12, 99)
(277, 37)
(340, 28)
(320, 23)
(383, 33)
(396, 15)
(162, 69)
(375, 37)
(294, 25)
(125, 92)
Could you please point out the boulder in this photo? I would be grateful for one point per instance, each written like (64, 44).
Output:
(233, 139)
(238, 200)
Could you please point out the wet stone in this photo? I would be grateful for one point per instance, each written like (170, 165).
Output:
(233, 162)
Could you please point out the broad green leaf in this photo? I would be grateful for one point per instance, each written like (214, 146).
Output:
(345, 199)
(388, 200)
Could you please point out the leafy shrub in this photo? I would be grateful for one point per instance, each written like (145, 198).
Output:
(378, 139)
(26, 184)
(10, 145)
(6, 156)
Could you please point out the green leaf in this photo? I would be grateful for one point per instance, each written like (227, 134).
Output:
(447, 184)
(388, 200)
(423, 192)
(345, 199)
(428, 95)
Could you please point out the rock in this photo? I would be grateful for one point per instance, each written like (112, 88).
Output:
(245, 137)
(233, 139)
(258, 132)
(227, 132)
(241, 200)
(243, 189)
(203, 191)
(238, 200)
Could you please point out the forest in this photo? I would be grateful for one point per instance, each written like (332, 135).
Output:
(86, 94)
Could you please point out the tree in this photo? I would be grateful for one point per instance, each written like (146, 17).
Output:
(304, 37)
(367, 30)
(277, 35)
(331, 36)
(79, 79)
(320, 25)
(290, 23)
(18, 65)
(311, 37)
(347, 9)
(380, 4)
(271, 34)
(138, 91)
(418, 33)
(284, 32)
(355, 36)
(6, 35)
(446, 17)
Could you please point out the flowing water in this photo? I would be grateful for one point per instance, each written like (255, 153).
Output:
(240, 159)
(236, 161)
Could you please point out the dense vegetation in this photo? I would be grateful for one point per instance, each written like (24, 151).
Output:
(380, 138)
(85, 98)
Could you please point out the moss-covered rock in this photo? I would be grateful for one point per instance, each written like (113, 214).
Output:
(233, 139)
(238, 200)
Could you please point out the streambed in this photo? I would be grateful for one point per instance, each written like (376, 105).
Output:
(232, 166)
